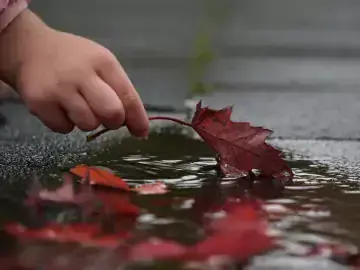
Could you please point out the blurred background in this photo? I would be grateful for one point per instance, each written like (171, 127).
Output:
(290, 65)
(302, 55)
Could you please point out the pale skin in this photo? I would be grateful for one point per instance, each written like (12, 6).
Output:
(67, 80)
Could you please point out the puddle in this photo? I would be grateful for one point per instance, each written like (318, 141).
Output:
(320, 207)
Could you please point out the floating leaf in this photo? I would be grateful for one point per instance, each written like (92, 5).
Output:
(99, 176)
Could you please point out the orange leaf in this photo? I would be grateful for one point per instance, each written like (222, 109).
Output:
(100, 177)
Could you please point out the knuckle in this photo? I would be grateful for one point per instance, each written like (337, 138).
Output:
(114, 113)
(113, 118)
(88, 125)
(104, 59)
(130, 101)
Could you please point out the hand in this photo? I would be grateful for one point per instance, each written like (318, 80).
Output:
(67, 80)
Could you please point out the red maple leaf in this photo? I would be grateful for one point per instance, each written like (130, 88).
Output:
(240, 146)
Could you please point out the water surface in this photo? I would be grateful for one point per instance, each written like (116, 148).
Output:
(319, 208)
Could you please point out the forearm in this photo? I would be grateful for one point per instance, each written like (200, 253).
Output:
(9, 10)
(14, 42)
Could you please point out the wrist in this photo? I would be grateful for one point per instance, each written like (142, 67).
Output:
(16, 43)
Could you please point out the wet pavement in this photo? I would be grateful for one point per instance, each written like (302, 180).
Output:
(27, 144)
(318, 210)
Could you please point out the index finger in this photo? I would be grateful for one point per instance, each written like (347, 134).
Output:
(136, 118)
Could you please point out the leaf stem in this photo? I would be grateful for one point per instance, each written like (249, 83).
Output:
(181, 122)
(96, 134)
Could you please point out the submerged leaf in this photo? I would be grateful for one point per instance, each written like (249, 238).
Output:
(240, 234)
(240, 216)
(240, 246)
(155, 249)
(82, 233)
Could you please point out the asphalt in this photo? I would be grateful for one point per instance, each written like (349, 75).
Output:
(26, 145)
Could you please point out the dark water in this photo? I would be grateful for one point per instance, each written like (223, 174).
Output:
(320, 207)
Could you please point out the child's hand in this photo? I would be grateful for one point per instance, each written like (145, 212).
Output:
(67, 80)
